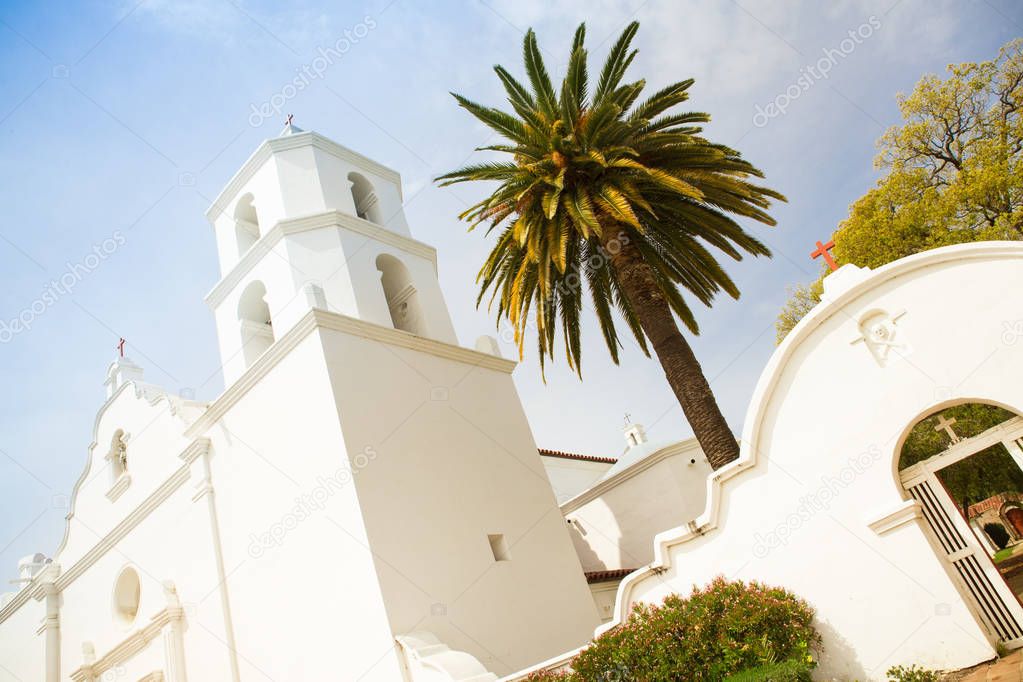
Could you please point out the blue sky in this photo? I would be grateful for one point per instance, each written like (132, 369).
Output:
(121, 120)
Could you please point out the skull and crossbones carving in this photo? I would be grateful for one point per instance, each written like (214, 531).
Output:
(880, 333)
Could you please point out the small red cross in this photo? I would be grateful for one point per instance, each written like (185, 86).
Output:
(120, 347)
(823, 250)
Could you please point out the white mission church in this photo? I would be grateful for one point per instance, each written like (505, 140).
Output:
(365, 500)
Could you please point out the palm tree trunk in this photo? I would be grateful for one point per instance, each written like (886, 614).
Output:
(681, 367)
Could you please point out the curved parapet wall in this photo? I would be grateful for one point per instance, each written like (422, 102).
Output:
(814, 502)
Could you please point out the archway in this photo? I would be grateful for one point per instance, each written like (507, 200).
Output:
(367, 204)
(246, 224)
(401, 295)
(257, 334)
(962, 463)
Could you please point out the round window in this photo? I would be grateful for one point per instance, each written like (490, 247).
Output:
(126, 596)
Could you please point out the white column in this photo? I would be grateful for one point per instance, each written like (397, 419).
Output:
(204, 489)
(174, 639)
(984, 539)
(51, 623)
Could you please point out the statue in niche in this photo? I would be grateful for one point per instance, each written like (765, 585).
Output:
(879, 331)
(119, 453)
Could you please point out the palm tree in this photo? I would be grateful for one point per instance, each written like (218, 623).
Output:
(619, 195)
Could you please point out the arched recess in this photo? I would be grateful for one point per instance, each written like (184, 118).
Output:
(126, 596)
(367, 204)
(257, 332)
(117, 456)
(246, 224)
(961, 463)
(401, 295)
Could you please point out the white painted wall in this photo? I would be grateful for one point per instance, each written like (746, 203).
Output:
(613, 523)
(604, 598)
(569, 477)
(453, 462)
(22, 651)
(305, 599)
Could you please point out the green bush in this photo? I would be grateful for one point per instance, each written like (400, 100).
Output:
(717, 631)
(786, 671)
(912, 674)
(547, 676)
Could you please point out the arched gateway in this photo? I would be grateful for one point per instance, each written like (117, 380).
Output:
(818, 502)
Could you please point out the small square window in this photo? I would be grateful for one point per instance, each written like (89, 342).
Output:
(499, 546)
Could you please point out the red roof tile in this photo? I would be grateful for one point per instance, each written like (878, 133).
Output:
(606, 576)
(569, 455)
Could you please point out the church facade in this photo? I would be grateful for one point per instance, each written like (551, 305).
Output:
(364, 501)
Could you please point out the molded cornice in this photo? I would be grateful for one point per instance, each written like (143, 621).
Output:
(321, 319)
(129, 646)
(908, 511)
(316, 221)
(288, 142)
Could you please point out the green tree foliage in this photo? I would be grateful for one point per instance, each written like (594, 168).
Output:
(802, 299)
(978, 477)
(953, 172)
(971, 419)
(989, 472)
(621, 196)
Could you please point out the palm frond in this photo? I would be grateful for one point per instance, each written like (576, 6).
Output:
(583, 169)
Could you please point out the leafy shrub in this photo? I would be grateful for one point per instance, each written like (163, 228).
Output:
(786, 671)
(715, 632)
(912, 674)
(547, 676)
(997, 533)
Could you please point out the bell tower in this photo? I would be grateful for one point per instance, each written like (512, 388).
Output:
(306, 223)
(433, 536)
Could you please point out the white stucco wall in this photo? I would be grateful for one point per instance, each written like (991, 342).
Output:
(22, 651)
(453, 462)
(304, 594)
(614, 522)
(569, 477)
(809, 503)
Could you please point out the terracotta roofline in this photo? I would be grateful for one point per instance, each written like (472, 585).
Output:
(605, 576)
(570, 455)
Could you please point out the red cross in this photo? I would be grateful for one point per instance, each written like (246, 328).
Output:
(823, 250)
(120, 347)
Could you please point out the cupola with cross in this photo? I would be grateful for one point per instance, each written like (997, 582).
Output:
(307, 223)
